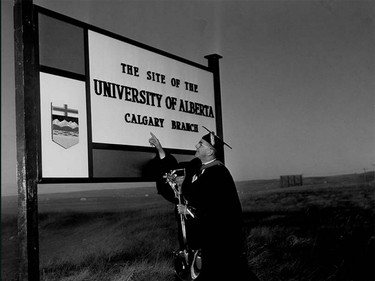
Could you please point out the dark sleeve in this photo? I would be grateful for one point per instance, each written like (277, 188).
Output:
(164, 166)
(167, 164)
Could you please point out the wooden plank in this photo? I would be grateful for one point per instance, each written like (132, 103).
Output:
(27, 120)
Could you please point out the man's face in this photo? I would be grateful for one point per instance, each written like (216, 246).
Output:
(203, 150)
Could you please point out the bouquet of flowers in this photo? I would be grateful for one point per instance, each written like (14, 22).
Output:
(175, 179)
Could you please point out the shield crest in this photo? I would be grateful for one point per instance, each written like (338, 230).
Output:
(65, 126)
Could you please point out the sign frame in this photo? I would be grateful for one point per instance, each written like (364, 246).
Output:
(147, 152)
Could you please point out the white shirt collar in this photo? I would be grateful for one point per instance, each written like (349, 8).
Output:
(206, 163)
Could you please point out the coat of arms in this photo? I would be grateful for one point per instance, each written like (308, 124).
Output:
(65, 129)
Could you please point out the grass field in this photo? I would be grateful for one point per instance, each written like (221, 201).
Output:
(323, 230)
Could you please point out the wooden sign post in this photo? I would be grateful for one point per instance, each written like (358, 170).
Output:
(27, 138)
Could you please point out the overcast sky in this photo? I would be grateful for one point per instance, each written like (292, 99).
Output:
(297, 77)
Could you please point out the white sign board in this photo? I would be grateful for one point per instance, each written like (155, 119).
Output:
(134, 91)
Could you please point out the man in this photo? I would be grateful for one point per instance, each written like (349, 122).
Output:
(212, 209)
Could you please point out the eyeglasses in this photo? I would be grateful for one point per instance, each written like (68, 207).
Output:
(200, 144)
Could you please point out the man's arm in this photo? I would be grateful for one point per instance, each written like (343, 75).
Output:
(156, 143)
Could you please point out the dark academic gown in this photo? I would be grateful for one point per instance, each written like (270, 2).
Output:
(216, 228)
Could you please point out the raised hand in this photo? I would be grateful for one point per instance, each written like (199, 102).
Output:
(156, 143)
